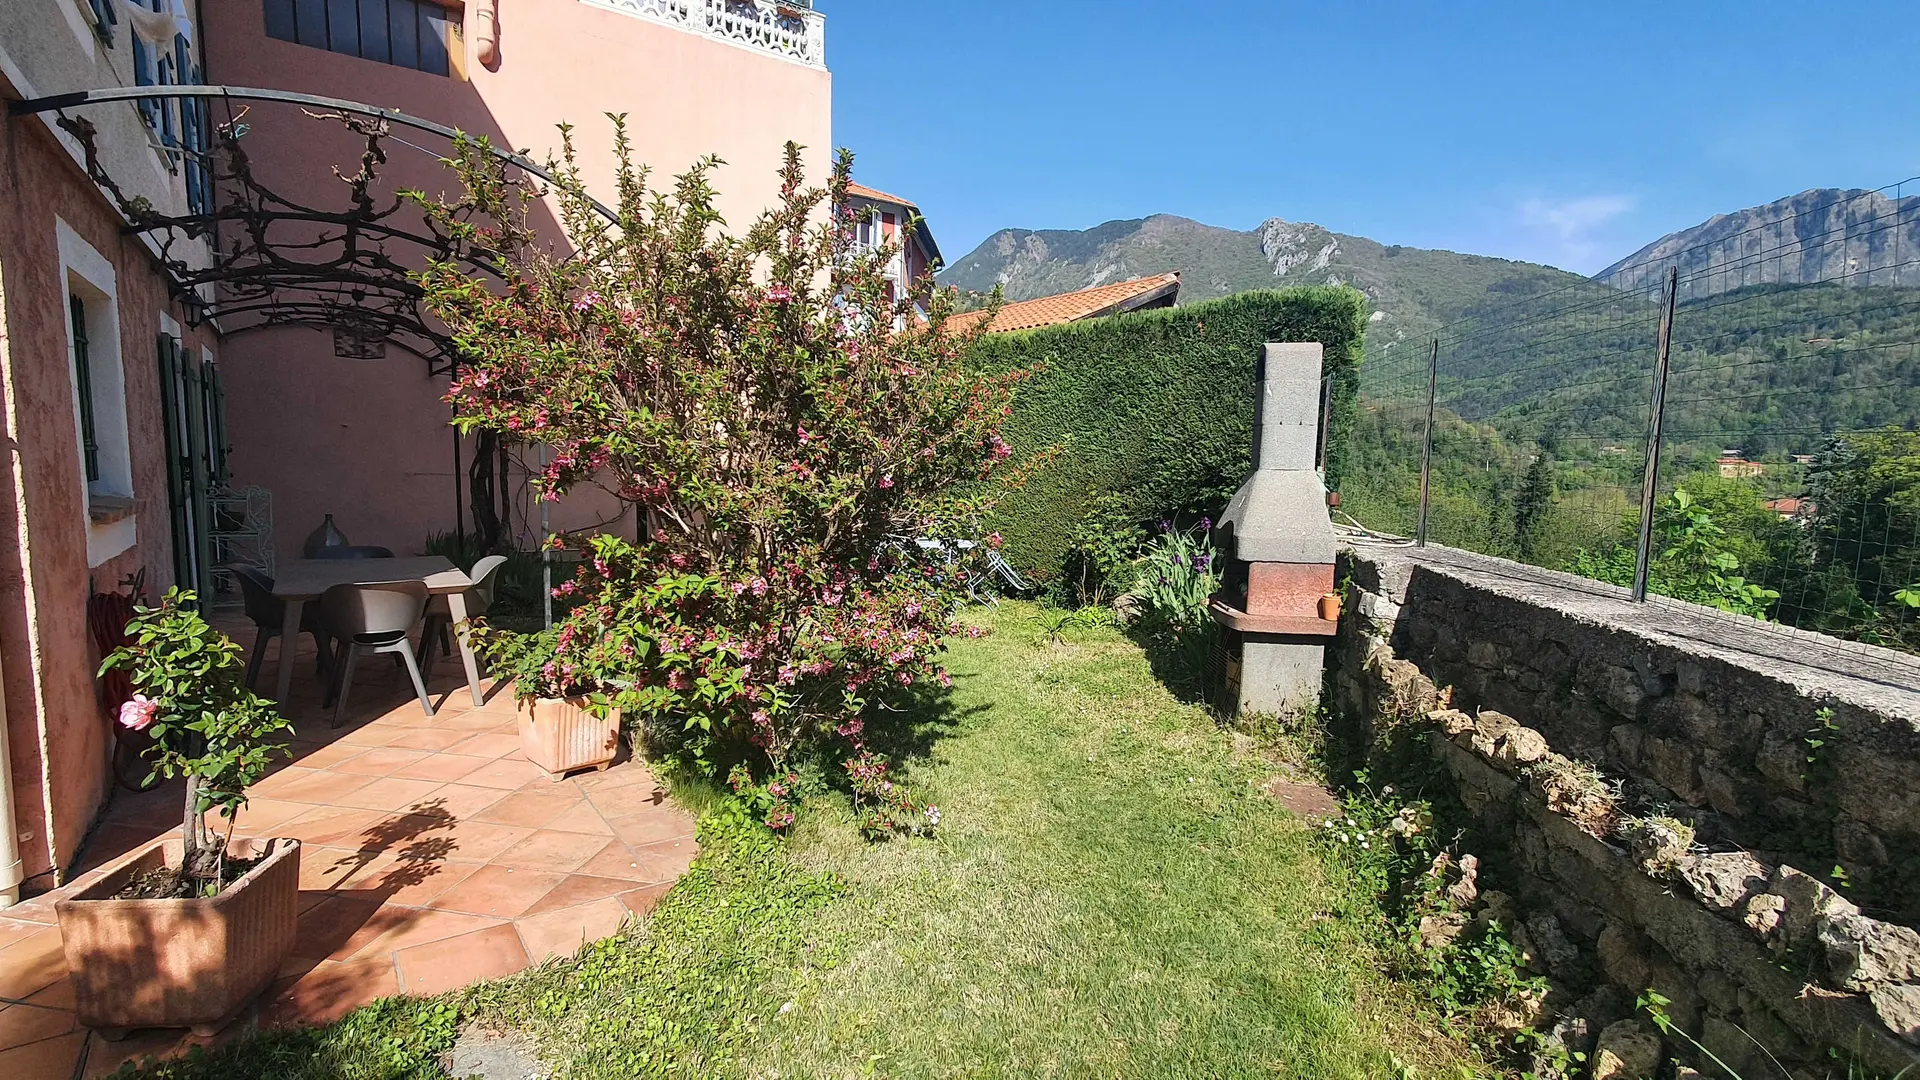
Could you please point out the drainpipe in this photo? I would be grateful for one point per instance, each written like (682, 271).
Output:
(11, 873)
(486, 33)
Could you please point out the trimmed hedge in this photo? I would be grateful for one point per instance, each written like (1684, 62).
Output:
(1155, 408)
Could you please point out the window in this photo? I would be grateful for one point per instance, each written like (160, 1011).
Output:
(417, 34)
(83, 387)
(866, 234)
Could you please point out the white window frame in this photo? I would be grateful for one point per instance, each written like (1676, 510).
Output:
(87, 273)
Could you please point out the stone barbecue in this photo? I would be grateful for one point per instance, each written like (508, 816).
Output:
(1276, 541)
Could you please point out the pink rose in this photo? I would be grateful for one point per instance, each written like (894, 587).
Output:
(139, 713)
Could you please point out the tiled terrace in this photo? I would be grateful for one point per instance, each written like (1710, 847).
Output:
(434, 855)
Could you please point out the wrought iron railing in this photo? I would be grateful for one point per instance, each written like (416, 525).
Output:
(790, 29)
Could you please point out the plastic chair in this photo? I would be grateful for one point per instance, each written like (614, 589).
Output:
(354, 551)
(373, 619)
(268, 613)
(486, 584)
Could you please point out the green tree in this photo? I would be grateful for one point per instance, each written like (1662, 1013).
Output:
(1531, 506)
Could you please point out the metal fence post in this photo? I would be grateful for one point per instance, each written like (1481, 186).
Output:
(1650, 480)
(1426, 450)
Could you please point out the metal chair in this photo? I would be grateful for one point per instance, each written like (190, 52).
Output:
(486, 584)
(373, 619)
(268, 613)
(354, 551)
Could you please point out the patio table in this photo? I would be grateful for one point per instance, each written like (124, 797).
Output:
(299, 581)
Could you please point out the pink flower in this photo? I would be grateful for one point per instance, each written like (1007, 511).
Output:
(678, 680)
(886, 481)
(993, 540)
(139, 713)
(779, 294)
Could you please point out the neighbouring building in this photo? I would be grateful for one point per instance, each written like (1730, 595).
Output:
(108, 395)
(880, 218)
(1140, 294)
(365, 436)
(1738, 468)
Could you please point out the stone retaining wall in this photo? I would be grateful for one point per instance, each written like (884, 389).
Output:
(1670, 791)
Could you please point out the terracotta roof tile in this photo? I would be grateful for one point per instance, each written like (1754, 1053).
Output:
(865, 192)
(1071, 307)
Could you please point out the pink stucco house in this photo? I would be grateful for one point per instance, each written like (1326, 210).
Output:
(123, 409)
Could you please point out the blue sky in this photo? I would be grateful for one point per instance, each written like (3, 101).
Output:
(1560, 132)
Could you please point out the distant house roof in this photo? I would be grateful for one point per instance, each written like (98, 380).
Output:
(1789, 507)
(1158, 291)
(877, 195)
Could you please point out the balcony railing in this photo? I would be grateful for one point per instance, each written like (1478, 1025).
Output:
(792, 30)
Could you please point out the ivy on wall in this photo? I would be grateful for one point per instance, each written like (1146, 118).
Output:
(1155, 409)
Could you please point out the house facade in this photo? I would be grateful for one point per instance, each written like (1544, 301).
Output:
(880, 218)
(106, 392)
(366, 438)
(127, 412)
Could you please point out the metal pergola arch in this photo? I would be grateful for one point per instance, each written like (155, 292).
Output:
(363, 286)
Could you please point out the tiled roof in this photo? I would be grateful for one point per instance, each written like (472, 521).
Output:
(1074, 306)
(865, 192)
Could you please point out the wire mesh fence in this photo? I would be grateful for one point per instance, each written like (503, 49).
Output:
(1763, 458)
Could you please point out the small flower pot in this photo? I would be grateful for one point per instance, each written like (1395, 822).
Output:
(561, 735)
(192, 963)
(1330, 607)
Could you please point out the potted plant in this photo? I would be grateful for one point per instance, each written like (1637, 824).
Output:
(187, 932)
(564, 682)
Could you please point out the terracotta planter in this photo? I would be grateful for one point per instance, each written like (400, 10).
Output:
(1330, 607)
(560, 735)
(180, 963)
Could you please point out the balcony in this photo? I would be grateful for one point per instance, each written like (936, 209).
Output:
(789, 29)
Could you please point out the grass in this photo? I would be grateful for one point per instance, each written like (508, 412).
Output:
(1108, 896)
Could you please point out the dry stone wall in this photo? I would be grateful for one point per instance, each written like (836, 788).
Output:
(1667, 797)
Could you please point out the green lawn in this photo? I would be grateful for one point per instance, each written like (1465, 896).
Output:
(1108, 896)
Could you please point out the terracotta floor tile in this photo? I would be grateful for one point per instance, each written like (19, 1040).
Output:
(394, 928)
(510, 773)
(324, 869)
(260, 816)
(283, 777)
(641, 901)
(616, 860)
(477, 841)
(57, 996)
(498, 891)
(455, 962)
(378, 761)
(582, 817)
(332, 826)
(326, 755)
(31, 964)
(23, 1024)
(12, 930)
(332, 990)
(531, 809)
(558, 852)
(629, 800)
(48, 1059)
(562, 932)
(325, 928)
(653, 827)
(442, 767)
(411, 882)
(430, 739)
(578, 889)
(487, 746)
(386, 793)
(623, 774)
(320, 786)
(665, 860)
(369, 735)
(462, 801)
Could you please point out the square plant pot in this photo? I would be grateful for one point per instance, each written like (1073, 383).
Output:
(561, 735)
(191, 963)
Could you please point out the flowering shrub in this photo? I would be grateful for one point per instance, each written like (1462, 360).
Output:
(190, 695)
(781, 423)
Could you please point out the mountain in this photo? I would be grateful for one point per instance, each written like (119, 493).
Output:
(1412, 289)
(1850, 237)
